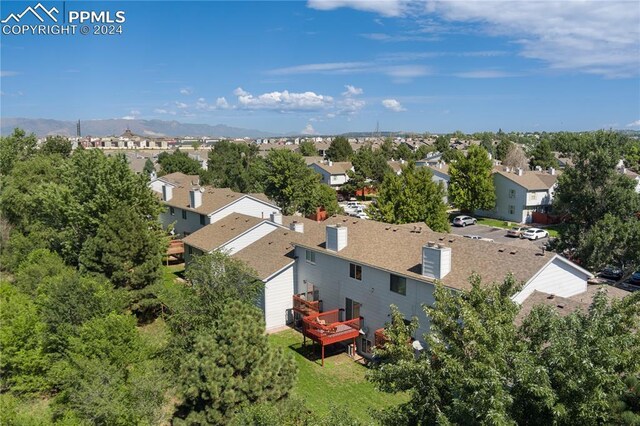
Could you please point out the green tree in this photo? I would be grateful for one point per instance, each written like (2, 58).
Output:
(216, 279)
(107, 377)
(589, 191)
(149, 167)
(15, 148)
(340, 149)
(178, 161)
(23, 361)
(471, 181)
(126, 248)
(403, 152)
(542, 156)
(502, 149)
(320, 195)
(398, 335)
(233, 366)
(369, 169)
(387, 148)
(237, 166)
(289, 182)
(57, 145)
(36, 268)
(442, 143)
(411, 197)
(308, 149)
(479, 367)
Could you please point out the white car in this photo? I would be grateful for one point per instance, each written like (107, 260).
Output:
(535, 233)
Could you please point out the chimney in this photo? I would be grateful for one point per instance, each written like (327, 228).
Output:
(276, 217)
(195, 198)
(297, 226)
(402, 161)
(336, 237)
(507, 169)
(330, 163)
(552, 171)
(167, 193)
(436, 260)
(439, 164)
(519, 171)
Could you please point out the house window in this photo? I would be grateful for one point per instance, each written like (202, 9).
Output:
(512, 209)
(310, 256)
(355, 271)
(366, 346)
(172, 211)
(190, 250)
(398, 285)
(184, 214)
(512, 193)
(202, 219)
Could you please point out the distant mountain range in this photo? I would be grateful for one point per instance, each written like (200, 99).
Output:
(117, 126)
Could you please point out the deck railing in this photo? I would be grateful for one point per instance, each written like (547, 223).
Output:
(326, 327)
(305, 307)
(380, 339)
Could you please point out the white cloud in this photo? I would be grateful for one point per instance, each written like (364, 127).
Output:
(283, 101)
(181, 105)
(160, 111)
(240, 92)
(134, 112)
(598, 37)
(407, 71)
(129, 117)
(393, 105)
(352, 91)
(9, 73)
(185, 91)
(634, 124)
(308, 130)
(383, 7)
(325, 68)
(485, 74)
(222, 103)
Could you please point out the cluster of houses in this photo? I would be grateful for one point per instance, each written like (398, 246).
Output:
(337, 278)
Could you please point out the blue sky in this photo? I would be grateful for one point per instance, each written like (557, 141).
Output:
(332, 66)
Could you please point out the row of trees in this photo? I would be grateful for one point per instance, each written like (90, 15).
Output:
(82, 249)
(486, 364)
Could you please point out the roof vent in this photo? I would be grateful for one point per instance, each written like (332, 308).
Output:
(501, 250)
(560, 305)
(513, 252)
(276, 217)
(550, 297)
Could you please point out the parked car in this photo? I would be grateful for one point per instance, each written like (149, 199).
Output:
(635, 278)
(516, 231)
(534, 233)
(611, 272)
(464, 221)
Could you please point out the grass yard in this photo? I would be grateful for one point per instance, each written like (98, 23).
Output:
(341, 382)
(493, 222)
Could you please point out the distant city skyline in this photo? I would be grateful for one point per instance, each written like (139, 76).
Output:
(336, 66)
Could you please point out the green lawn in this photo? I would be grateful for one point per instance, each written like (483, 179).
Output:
(341, 382)
(494, 222)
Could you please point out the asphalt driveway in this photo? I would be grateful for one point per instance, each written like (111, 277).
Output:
(499, 235)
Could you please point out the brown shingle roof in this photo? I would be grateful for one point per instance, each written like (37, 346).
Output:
(441, 167)
(336, 168)
(566, 305)
(178, 178)
(531, 180)
(216, 234)
(398, 249)
(213, 199)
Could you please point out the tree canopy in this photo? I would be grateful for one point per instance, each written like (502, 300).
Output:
(480, 366)
(340, 149)
(411, 197)
(308, 149)
(471, 181)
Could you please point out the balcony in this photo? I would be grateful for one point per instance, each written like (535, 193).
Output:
(326, 328)
(380, 339)
(305, 307)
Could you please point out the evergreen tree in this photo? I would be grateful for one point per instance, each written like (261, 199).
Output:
(542, 156)
(502, 149)
(369, 169)
(289, 182)
(149, 167)
(340, 149)
(471, 183)
(233, 366)
(387, 148)
(178, 161)
(308, 149)
(411, 197)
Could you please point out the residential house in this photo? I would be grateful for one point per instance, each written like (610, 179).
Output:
(333, 173)
(191, 207)
(520, 193)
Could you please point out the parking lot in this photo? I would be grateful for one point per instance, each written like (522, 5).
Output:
(499, 235)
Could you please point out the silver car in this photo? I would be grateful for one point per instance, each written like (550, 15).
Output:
(464, 221)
